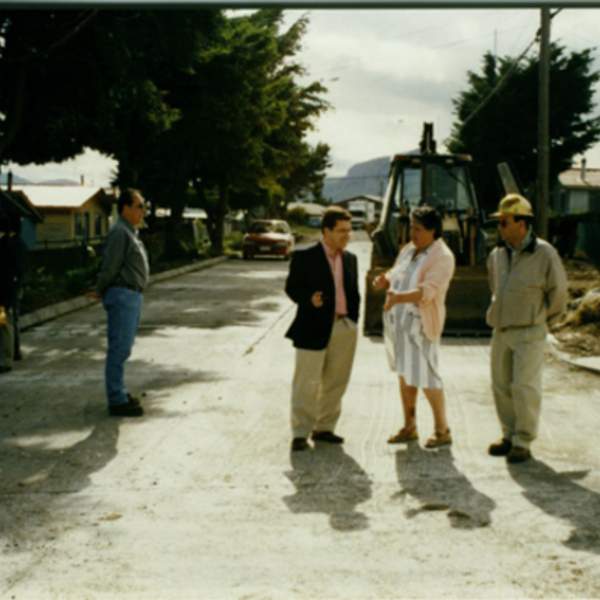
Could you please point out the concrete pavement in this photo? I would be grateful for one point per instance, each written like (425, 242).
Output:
(201, 498)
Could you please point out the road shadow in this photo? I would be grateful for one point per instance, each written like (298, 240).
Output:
(559, 496)
(431, 478)
(55, 432)
(329, 481)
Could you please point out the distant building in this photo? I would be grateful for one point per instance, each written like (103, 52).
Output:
(70, 212)
(576, 199)
(16, 204)
(364, 209)
(314, 211)
(577, 191)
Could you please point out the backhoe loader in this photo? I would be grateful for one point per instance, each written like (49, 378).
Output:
(442, 181)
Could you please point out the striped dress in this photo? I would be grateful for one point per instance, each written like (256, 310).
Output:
(410, 353)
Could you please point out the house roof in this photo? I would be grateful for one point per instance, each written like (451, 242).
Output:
(374, 199)
(188, 213)
(58, 196)
(312, 208)
(572, 179)
(20, 205)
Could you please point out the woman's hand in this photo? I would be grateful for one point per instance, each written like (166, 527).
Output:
(381, 282)
(411, 296)
(390, 301)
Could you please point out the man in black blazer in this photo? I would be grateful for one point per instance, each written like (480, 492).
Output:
(323, 282)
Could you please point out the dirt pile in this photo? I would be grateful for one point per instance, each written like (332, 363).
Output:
(579, 331)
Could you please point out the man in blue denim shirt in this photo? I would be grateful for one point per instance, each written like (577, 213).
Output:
(123, 277)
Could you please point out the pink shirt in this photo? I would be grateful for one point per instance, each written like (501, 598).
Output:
(434, 279)
(335, 262)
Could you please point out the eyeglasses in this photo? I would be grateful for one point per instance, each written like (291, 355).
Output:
(142, 206)
(503, 223)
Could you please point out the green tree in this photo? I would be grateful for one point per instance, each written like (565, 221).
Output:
(243, 117)
(505, 127)
(45, 92)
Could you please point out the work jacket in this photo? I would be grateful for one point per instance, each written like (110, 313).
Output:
(529, 287)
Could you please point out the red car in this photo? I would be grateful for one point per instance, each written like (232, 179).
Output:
(268, 238)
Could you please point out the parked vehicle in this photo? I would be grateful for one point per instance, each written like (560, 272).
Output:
(268, 238)
(362, 212)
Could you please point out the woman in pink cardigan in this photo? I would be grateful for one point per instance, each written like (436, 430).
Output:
(414, 315)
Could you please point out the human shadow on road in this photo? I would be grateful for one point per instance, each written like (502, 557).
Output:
(432, 478)
(559, 496)
(55, 432)
(329, 481)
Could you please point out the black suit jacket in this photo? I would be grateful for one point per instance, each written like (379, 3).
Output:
(310, 272)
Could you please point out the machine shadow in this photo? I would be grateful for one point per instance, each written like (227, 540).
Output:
(329, 481)
(559, 496)
(431, 478)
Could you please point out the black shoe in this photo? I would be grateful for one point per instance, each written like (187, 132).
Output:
(134, 399)
(327, 436)
(18, 357)
(5, 369)
(501, 448)
(129, 409)
(518, 454)
(299, 444)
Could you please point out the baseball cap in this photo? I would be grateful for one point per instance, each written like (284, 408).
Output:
(514, 204)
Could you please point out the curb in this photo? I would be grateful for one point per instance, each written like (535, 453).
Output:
(589, 363)
(62, 308)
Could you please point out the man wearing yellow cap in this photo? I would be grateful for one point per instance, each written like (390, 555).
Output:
(529, 290)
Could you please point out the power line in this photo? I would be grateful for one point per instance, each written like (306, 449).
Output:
(502, 81)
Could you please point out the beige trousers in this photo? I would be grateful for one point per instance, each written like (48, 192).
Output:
(517, 356)
(320, 380)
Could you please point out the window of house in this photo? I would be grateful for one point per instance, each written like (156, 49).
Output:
(97, 225)
(79, 224)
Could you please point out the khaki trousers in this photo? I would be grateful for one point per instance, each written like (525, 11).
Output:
(320, 380)
(517, 356)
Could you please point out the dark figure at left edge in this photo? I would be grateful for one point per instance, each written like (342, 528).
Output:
(323, 282)
(123, 277)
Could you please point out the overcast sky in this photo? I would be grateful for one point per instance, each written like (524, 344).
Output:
(388, 71)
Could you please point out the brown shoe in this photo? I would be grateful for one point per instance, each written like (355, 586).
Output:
(128, 409)
(299, 444)
(439, 438)
(500, 448)
(406, 434)
(327, 436)
(134, 399)
(518, 454)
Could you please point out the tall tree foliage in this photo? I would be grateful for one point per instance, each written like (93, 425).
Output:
(243, 120)
(179, 98)
(506, 127)
(45, 86)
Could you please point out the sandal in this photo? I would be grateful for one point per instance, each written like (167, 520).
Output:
(406, 434)
(439, 438)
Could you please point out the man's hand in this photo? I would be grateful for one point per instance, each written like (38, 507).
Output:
(92, 293)
(317, 299)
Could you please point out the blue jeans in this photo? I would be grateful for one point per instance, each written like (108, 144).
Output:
(123, 308)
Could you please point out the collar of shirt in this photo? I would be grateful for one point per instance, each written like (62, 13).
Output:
(332, 254)
(127, 224)
(526, 241)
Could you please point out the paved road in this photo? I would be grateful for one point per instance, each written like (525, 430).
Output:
(201, 498)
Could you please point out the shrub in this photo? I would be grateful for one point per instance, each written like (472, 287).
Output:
(297, 216)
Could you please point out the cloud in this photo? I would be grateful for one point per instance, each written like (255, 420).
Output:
(388, 71)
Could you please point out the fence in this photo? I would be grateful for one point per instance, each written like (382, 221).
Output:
(64, 254)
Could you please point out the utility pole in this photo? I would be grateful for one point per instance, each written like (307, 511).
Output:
(543, 187)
